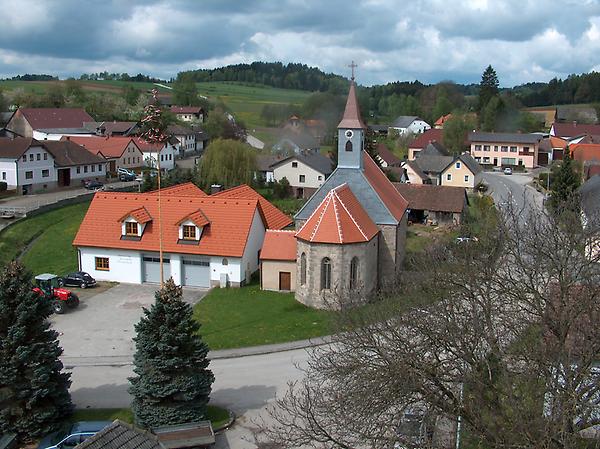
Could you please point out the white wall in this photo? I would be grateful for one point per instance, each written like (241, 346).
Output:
(167, 151)
(232, 268)
(419, 126)
(39, 135)
(36, 167)
(125, 265)
(90, 174)
(292, 174)
(9, 167)
(256, 236)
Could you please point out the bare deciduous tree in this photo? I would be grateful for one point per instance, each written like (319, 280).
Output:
(497, 337)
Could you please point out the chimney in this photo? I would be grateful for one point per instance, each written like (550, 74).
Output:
(215, 188)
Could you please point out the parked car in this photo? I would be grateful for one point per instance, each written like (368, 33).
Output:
(94, 185)
(127, 177)
(508, 171)
(124, 171)
(70, 435)
(77, 279)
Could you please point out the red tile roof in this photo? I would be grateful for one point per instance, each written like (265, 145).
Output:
(427, 137)
(42, 118)
(146, 147)
(392, 199)
(583, 152)
(557, 142)
(433, 198)
(185, 189)
(140, 215)
(279, 245)
(443, 119)
(186, 109)
(387, 156)
(274, 217)
(340, 219)
(227, 234)
(198, 218)
(109, 147)
(574, 129)
(352, 118)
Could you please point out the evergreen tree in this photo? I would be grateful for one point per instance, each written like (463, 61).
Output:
(34, 392)
(490, 114)
(172, 383)
(488, 87)
(564, 185)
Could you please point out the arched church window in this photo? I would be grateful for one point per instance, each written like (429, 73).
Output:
(326, 274)
(303, 269)
(349, 146)
(354, 273)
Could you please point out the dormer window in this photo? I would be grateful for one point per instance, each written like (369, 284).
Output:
(191, 228)
(189, 232)
(131, 228)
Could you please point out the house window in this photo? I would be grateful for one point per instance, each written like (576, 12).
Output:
(513, 149)
(303, 269)
(466, 178)
(486, 160)
(449, 177)
(326, 274)
(477, 147)
(224, 262)
(504, 148)
(170, 157)
(162, 157)
(320, 178)
(294, 164)
(28, 175)
(131, 228)
(39, 156)
(99, 167)
(102, 264)
(85, 168)
(189, 232)
(349, 146)
(31, 157)
(4, 176)
(354, 273)
(45, 173)
(301, 178)
(78, 170)
(24, 158)
(93, 168)
(458, 165)
(486, 148)
(495, 147)
(525, 149)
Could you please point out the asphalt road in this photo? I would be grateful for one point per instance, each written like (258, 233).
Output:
(513, 189)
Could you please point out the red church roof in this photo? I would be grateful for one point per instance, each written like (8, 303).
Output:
(352, 118)
(340, 219)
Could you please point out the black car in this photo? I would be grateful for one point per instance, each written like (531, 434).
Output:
(127, 177)
(77, 279)
(94, 185)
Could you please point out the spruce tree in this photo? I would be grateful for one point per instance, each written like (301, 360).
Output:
(34, 392)
(488, 87)
(565, 185)
(172, 383)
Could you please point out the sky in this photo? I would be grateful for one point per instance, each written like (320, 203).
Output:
(390, 40)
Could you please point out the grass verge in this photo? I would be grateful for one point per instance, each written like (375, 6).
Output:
(249, 316)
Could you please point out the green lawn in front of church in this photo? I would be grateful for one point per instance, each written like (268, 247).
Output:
(249, 316)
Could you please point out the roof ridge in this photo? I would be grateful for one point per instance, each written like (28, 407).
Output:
(325, 205)
(335, 196)
(351, 216)
(280, 230)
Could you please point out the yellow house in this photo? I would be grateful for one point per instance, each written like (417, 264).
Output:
(278, 261)
(464, 171)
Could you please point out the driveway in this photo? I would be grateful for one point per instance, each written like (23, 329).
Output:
(100, 330)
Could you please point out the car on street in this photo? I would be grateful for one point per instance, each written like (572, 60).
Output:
(77, 279)
(124, 171)
(94, 185)
(70, 435)
(127, 177)
(508, 171)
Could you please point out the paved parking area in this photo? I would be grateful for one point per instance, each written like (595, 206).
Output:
(101, 328)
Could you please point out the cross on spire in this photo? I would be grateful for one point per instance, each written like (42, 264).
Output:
(352, 66)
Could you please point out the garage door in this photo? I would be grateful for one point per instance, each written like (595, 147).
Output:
(151, 269)
(196, 273)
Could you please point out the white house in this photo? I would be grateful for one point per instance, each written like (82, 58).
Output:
(151, 153)
(409, 124)
(186, 138)
(207, 240)
(305, 172)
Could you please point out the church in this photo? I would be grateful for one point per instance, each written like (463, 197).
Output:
(350, 235)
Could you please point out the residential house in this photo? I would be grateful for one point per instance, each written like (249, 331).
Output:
(505, 149)
(576, 113)
(29, 166)
(386, 158)
(152, 153)
(573, 129)
(439, 123)
(351, 233)
(587, 156)
(409, 124)
(113, 128)
(463, 171)
(278, 261)
(551, 149)
(305, 171)
(379, 130)
(186, 138)
(411, 173)
(438, 204)
(264, 167)
(295, 141)
(201, 139)
(188, 113)
(59, 133)
(422, 140)
(25, 120)
(119, 152)
(206, 240)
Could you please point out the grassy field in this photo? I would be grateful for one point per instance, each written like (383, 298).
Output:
(49, 236)
(249, 316)
(218, 416)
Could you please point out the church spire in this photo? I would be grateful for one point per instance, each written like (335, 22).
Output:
(352, 118)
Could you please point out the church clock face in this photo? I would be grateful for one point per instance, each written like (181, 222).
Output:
(349, 134)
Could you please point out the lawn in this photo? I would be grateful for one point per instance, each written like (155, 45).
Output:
(50, 235)
(218, 416)
(249, 316)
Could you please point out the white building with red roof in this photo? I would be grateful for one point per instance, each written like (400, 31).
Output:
(350, 235)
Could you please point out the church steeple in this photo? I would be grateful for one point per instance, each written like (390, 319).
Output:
(351, 133)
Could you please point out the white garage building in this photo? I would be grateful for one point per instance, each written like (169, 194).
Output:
(207, 240)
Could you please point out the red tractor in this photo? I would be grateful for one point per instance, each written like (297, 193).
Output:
(46, 285)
